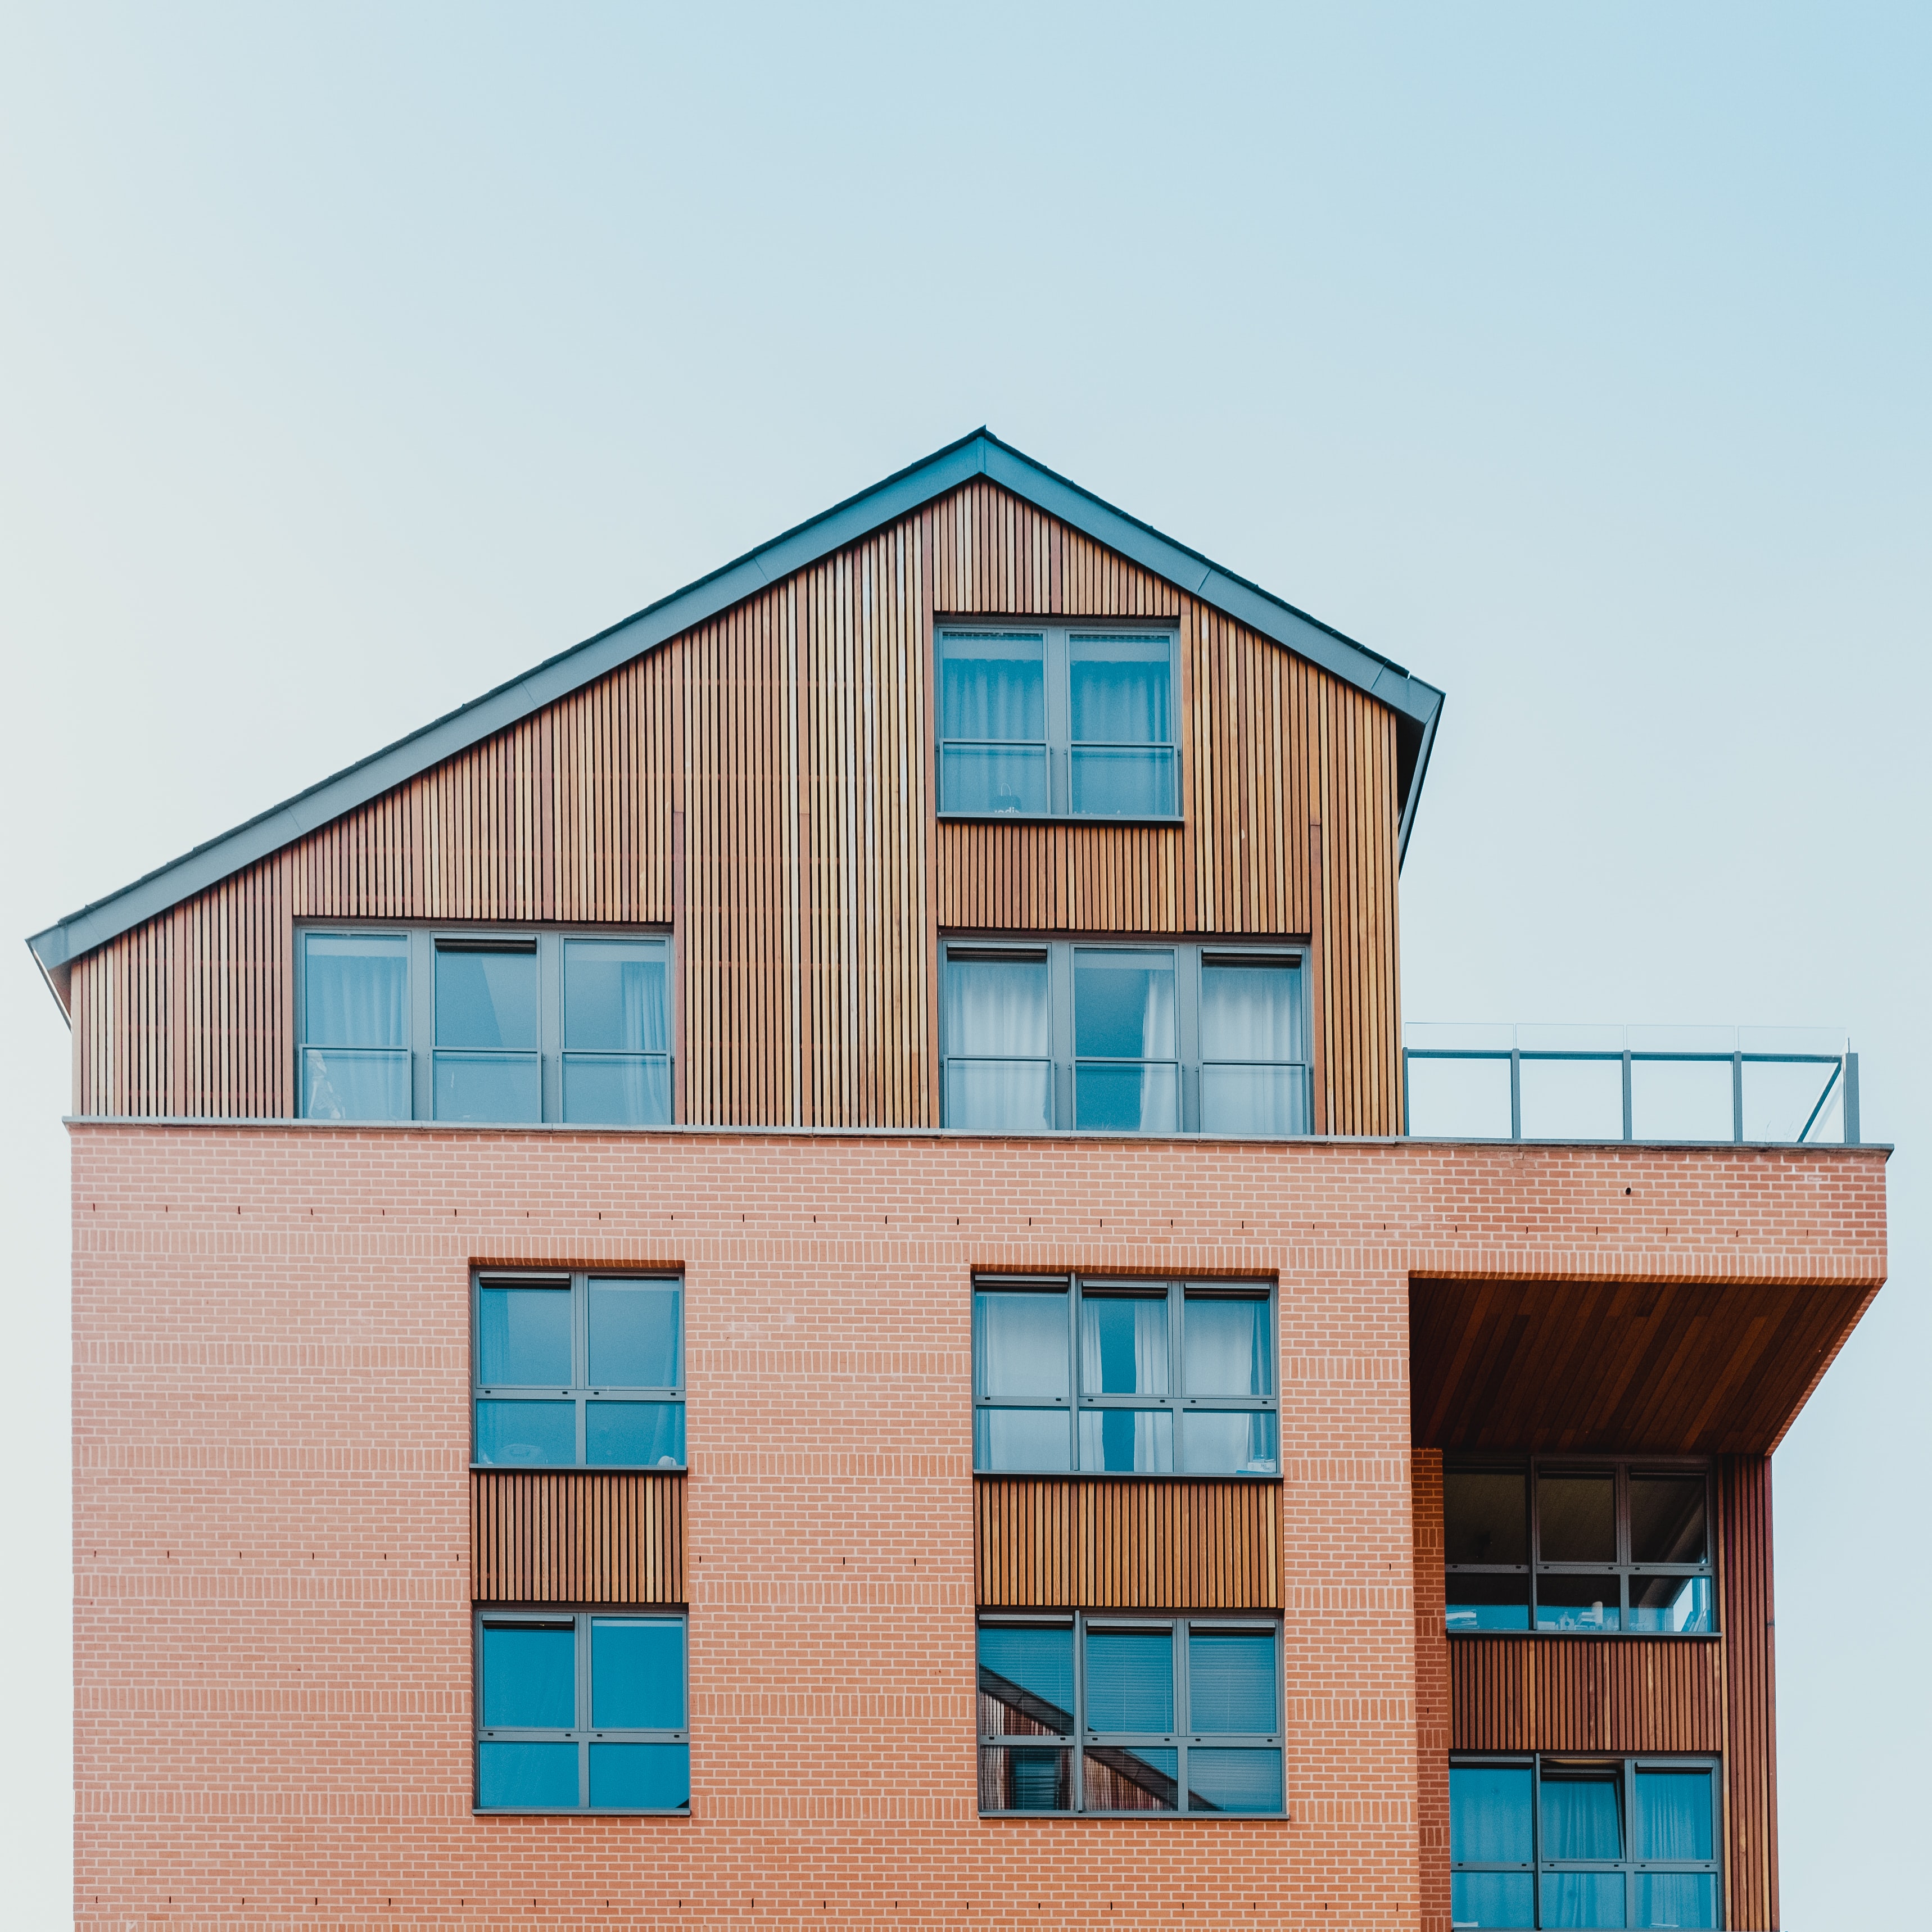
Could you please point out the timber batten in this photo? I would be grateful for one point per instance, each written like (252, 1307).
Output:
(1550, 1693)
(576, 1536)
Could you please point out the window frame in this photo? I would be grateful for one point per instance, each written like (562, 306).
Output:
(425, 940)
(1177, 1403)
(1191, 957)
(1057, 637)
(1534, 1469)
(582, 1391)
(1079, 1738)
(581, 1733)
(1628, 1765)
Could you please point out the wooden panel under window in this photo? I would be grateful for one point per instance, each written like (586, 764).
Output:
(1751, 1702)
(1144, 1544)
(576, 1536)
(1555, 1693)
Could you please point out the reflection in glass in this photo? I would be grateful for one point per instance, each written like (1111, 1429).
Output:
(342, 1083)
(1020, 1343)
(634, 1434)
(1228, 1442)
(528, 1435)
(1679, 1605)
(1230, 1346)
(1571, 1603)
(1127, 1099)
(1676, 1898)
(1127, 1442)
(1576, 1518)
(1484, 1517)
(1017, 1777)
(1231, 1681)
(494, 1087)
(1490, 1820)
(616, 996)
(999, 1074)
(1114, 782)
(1491, 1898)
(1254, 1100)
(1123, 1344)
(1026, 1681)
(523, 1337)
(1131, 1778)
(1130, 1680)
(1002, 1097)
(1494, 1602)
(530, 1677)
(640, 1778)
(1222, 1779)
(1667, 1519)
(355, 1063)
(994, 779)
(992, 697)
(1123, 1004)
(487, 1000)
(1022, 1440)
(636, 1674)
(634, 1334)
(1595, 1899)
(526, 1777)
(616, 1090)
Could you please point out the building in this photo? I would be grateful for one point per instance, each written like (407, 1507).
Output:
(775, 1277)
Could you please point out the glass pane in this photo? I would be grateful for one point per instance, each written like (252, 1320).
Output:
(1582, 1818)
(979, 778)
(1228, 1442)
(1019, 1343)
(1127, 1099)
(1254, 1100)
(1026, 1682)
(1676, 1898)
(1131, 1779)
(998, 1008)
(1667, 1519)
(522, 1338)
(1489, 1821)
(1577, 1602)
(1022, 1440)
(530, 1678)
(1230, 1346)
(541, 1434)
(640, 1777)
(1583, 1898)
(634, 1434)
(616, 1090)
(636, 1674)
(1025, 1779)
(1109, 782)
(351, 1084)
(634, 1334)
(487, 1000)
(1120, 688)
(1573, 1100)
(1460, 1099)
(1680, 1606)
(1577, 1518)
(1130, 1680)
(1123, 1344)
(1251, 1012)
(496, 1087)
(527, 1777)
(616, 996)
(1681, 1100)
(1488, 1603)
(1123, 1004)
(356, 992)
(1484, 1517)
(1673, 1814)
(1231, 1683)
(1491, 1898)
(1001, 1097)
(992, 684)
(1126, 1442)
(1234, 1780)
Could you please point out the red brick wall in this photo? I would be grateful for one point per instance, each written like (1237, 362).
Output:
(1432, 1689)
(272, 1629)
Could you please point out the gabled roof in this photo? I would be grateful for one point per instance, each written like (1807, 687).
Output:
(1417, 705)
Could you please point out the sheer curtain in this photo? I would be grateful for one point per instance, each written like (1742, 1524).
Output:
(997, 692)
(357, 992)
(1119, 690)
(1122, 1345)
(999, 1045)
(1229, 1347)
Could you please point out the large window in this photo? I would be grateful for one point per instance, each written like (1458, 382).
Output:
(1174, 1039)
(1058, 722)
(581, 1711)
(498, 1027)
(1579, 1546)
(1584, 1842)
(1131, 1714)
(1123, 1377)
(578, 1369)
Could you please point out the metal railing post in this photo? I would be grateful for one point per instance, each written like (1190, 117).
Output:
(1515, 1094)
(1851, 1098)
(1737, 1096)
(1629, 1133)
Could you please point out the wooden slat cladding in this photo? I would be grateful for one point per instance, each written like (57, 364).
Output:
(576, 1536)
(1088, 1543)
(1586, 1694)
(1746, 1613)
(763, 784)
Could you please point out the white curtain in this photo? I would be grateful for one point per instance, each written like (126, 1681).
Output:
(1119, 688)
(1020, 1341)
(997, 1009)
(993, 687)
(356, 992)
(1251, 1013)
(1122, 1345)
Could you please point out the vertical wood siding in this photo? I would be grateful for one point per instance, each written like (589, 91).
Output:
(574, 1536)
(775, 763)
(1083, 1542)
(1750, 1700)
(1586, 1694)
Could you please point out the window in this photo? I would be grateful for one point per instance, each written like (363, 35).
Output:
(501, 1027)
(1579, 1546)
(1130, 1715)
(580, 1712)
(1135, 1039)
(1126, 1377)
(578, 1369)
(1055, 722)
(1583, 1842)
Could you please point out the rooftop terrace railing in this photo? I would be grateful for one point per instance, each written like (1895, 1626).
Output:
(1791, 1085)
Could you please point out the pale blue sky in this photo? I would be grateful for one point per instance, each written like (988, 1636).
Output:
(1576, 358)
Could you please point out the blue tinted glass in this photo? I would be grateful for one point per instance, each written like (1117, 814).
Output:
(1228, 1442)
(636, 1674)
(1127, 1099)
(1127, 1441)
(608, 1090)
(634, 1334)
(1577, 1602)
(342, 1083)
(523, 1337)
(531, 1435)
(356, 992)
(495, 1087)
(1234, 1780)
(526, 1777)
(1123, 1344)
(999, 1096)
(634, 1434)
(1120, 688)
(1593, 1899)
(1124, 1004)
(1581, 1819)
(1251, 1012)
(530, 1678)
(1477, 1602)
(998, 1008)
(1022, 1439)
(1230, 1681)
(991, 779)
(1138, 1778)
(1673, 1814)
(993, 686)
(1019, 1343)
(1680, 1606)
(1491, 1898)
(1676, 1898)
(1254, 1100)
(1026, 1680)
(1013, 1778)
(615, 996)
(1130, 1681)
(1110, 783)
(1230, 1346)
(487, 1000)
(1489, 1821)
(640, 1777)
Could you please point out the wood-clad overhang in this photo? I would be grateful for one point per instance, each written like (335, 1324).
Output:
(1646, 1367)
